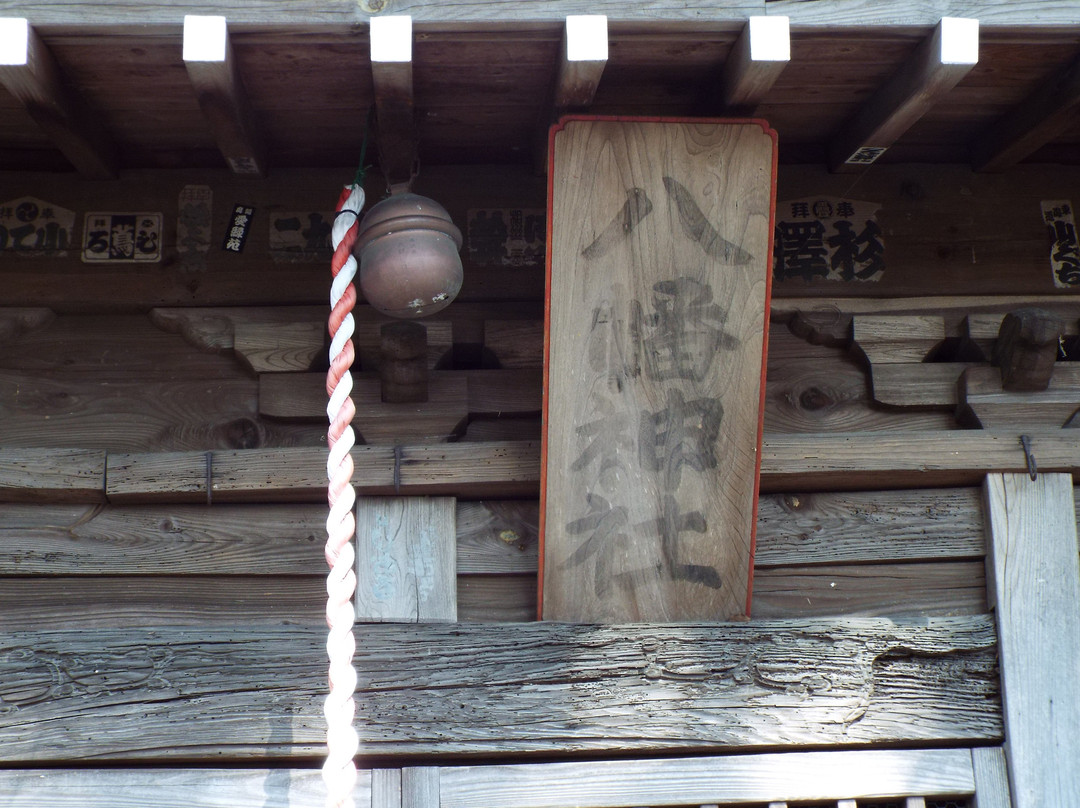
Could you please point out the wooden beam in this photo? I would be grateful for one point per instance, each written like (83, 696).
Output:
(51, 475)
(1035, 121)
(1034, 571)
(172, 787)
(219, 89)
(797, 776)
(31, 74)
(756, 61)
(937, 65)
(392, 76)
(582, 59)
(132, 694)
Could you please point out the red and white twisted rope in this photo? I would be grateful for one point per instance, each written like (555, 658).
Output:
(339, 770)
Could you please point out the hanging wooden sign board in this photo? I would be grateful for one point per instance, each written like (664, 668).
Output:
(657, 307)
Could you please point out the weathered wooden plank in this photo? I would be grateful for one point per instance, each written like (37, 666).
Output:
(510, 689)
(991, 777)
(801, 776)
(52, 475)
(391, 46)
(15, 321)
(280, 347)
(421, 787)
(907, 460)
(406, 560)
(755, 62)
(871, 590)
(515, 343)
(509, 468)
(112, 601)
(494, 537)
(497, 536)
(497, 598)
(897, 339)
(172, 788)
(648, 294)
(385, 788)
(121, 412)
(918, 384)
(861, 527)
(1035, 573)
(582, 60)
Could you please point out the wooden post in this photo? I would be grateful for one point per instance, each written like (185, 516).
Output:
(406, 560)
(1034, 574)
(403, 362)
(991, 777)
(1027, 348)
(420, 787)
(386, 788)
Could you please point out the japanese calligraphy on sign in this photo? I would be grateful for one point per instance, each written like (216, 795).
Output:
(122, 238)
(508, 237)
(31, 226)
(1064, 247)
(656, 312)
(301, 236)
(828, 239)
(237, 232)
(195, 207)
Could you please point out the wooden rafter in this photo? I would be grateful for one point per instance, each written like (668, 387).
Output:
(214, 76)
(30, 73)
(757, 59)
(581, 61)
(936, 66)
(392, 76)
(1033, 123)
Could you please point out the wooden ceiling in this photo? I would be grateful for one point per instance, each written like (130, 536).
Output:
(483, 83)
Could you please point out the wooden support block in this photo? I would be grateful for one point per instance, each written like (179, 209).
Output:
(219, 89)
(991, 778)
(278, 347)
(368, 341)
(897, 339)
(756, 61)
(985, 402)
(386, 788)
(1034, 122)
(392, 77)
(915, 802)
(918, 384)
(406, 560)
(1027, 348)
(51, 475)
(846, 804)
(403, 376)
(936, 66)
(1034, 571)
(657, 317)
(420, 787)
(16, 321)
(30, 73)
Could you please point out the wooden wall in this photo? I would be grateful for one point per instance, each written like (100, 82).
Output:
(161, 500)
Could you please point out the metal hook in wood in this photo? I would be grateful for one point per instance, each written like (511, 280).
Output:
(398, 452)
(209, 478)
(1033, 469)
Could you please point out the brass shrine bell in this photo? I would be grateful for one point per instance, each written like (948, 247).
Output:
(407, 248)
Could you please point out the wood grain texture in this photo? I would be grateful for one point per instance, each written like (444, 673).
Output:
(406, 560)
(385, 788)
(499, 690)
(799, 776)
(172, 787)
(861, 527)
(421, 787)
(497, 536)
(897, 339)
(508, 468)
(52, 475)
(654, 370)
(991, 777)
(871, 590)
(1035, 574)
(983, 399)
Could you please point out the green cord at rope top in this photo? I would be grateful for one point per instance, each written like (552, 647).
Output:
(361, 170)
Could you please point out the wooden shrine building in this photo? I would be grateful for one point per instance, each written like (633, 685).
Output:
(902, 175)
